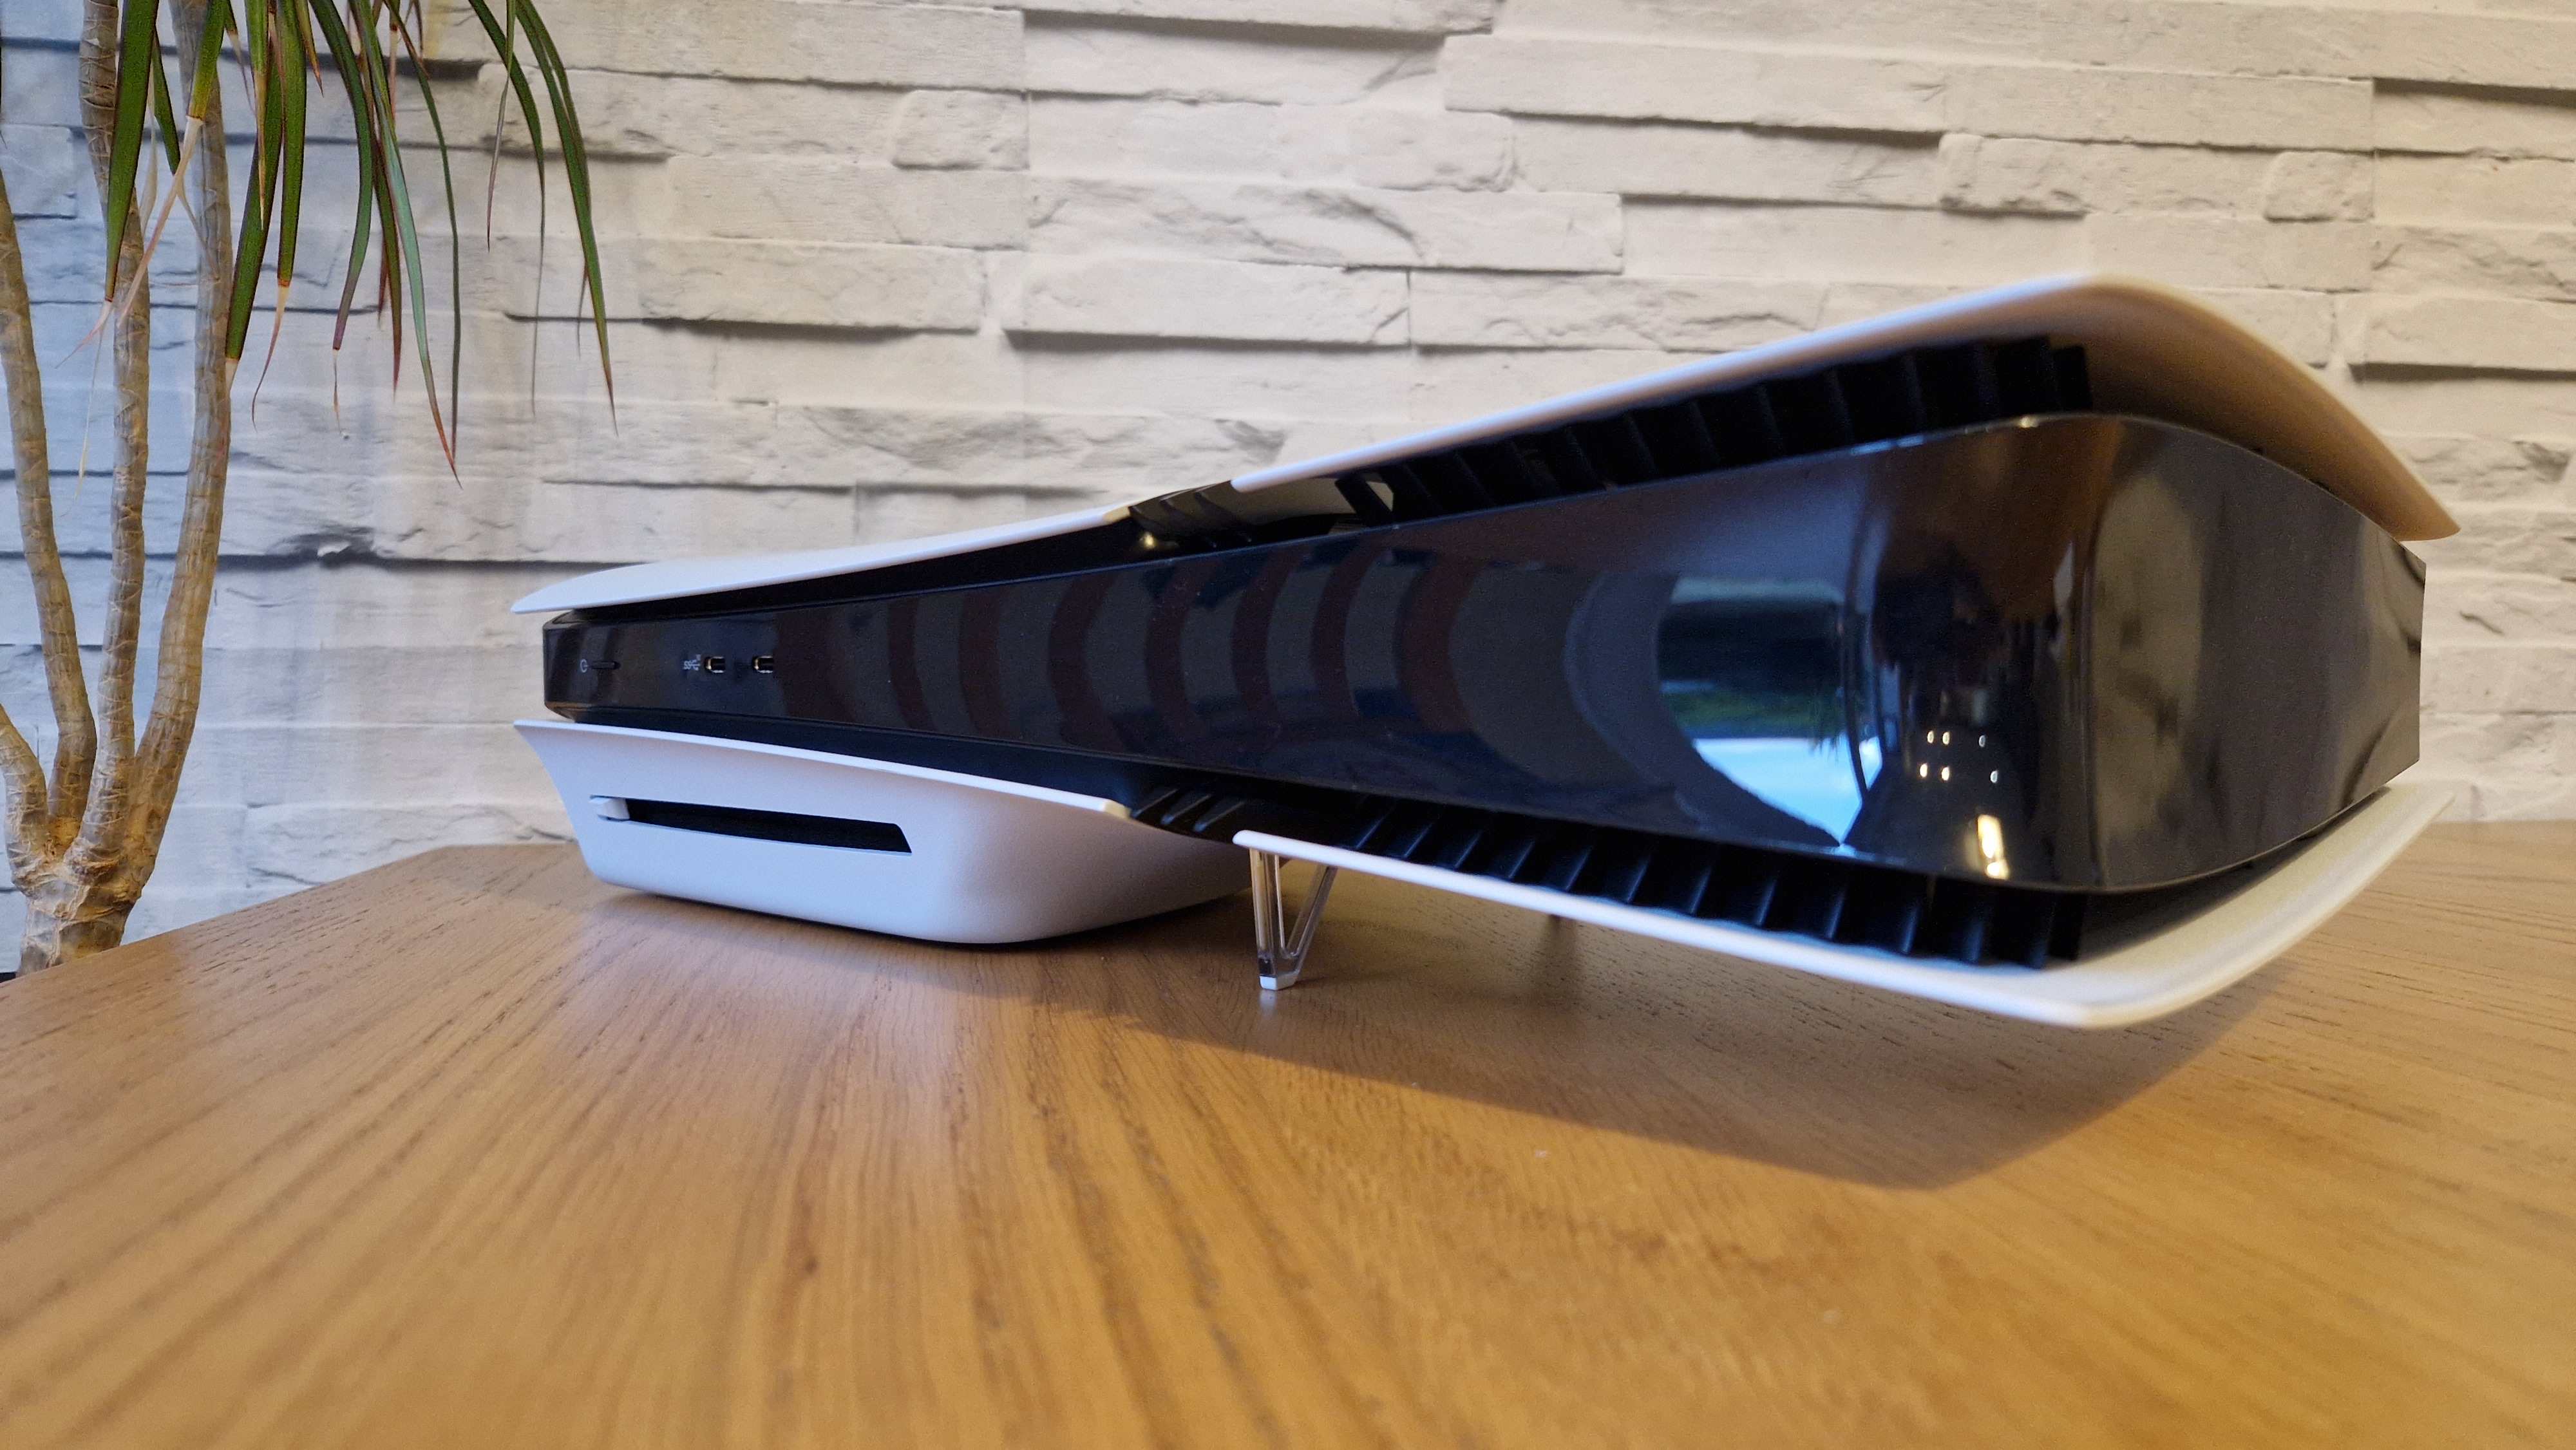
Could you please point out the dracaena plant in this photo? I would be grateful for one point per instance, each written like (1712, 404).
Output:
(83, 836)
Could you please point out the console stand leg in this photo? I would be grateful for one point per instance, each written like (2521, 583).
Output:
(1277, 944)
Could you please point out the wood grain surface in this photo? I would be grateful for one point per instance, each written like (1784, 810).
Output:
(472, 1151)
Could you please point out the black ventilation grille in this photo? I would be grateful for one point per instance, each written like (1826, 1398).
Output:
(772, 825)
(1922, 391)
(1845, 902)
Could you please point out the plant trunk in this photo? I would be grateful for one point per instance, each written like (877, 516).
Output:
(81, 857)
(62, 927)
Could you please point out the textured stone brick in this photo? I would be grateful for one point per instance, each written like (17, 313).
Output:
(306, 845)
(2508, 539)
(809, 283)
(2304, 186)
(2484, 608)
(932, 370)
(1236, 381)
(2301, 324)
(962, 128)
(1556, 231)
(2529, 123)
(1833, 243)
(1565, 77)
(2514, 742)
(1238, 140)
(2077, 103)
(913, 513)
(1691, 314)
(2501, 677)
(1408, 149)
(1426, 15)
(1071, 58)
(1376, 146)
(824, 199)
(1121, 458)
(832, 41)
(1159, 297)
(283, 763)
(2224, 252)
(1453, 385)
(1935, 27)
(1728, 163)
(787, 472)
(2515, 796)
(2493, 405)
(614, 523)
(759, 446)
(47, 168)
(37, 85)
(2504, 765)
(668, 115)
(2472, 50)
(2487, 470)
(2475, 190)
(2069, 178)
(420, 685)
(356, 605)
(2511, 261)
(2195, 37)
(2471, 332)
(1854, 301)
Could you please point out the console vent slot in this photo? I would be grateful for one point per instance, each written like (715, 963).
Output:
(1846, 902)
(1921, 391)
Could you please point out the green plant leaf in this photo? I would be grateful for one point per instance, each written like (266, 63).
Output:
(260, 201)
(398, 219)
(362, 122)
(163, 118)
(504, 41)
(135, 53)
(576, 176)
(295, 59)
(455, 241)
(202, 77)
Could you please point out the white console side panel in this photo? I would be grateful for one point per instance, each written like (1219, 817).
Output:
(991, 861)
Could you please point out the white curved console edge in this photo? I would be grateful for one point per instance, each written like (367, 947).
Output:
(2149, 348)
(2147, 977)
(989, 860)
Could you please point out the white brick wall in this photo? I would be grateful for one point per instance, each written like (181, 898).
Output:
(878, 270)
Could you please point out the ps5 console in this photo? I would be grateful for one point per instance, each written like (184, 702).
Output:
(2049, 651)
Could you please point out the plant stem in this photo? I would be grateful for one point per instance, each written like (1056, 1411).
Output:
(179, 675)
(28, 826)
(75, 733)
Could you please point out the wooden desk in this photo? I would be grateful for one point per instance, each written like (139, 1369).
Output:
(474, 1152)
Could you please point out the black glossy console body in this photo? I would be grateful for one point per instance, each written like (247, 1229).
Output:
(2074, 652)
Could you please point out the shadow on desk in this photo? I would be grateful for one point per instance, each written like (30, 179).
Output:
(1475, 1001)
